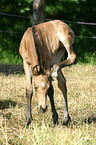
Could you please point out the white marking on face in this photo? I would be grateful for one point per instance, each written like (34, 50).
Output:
(43, 84)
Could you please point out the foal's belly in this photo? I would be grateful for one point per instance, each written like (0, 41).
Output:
(53, 59)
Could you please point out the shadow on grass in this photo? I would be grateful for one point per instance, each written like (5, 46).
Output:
(88, 120)
(7, 115)
(11, 69)
(5, 104)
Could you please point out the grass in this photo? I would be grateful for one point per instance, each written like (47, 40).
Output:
(81, 84)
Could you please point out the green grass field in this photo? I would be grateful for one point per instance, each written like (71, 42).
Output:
(81, 84)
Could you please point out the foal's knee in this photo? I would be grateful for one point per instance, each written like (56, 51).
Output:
(29, 93)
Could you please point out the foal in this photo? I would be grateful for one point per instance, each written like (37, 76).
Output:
(42, 48)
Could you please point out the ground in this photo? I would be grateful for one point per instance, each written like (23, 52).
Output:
(81, 84)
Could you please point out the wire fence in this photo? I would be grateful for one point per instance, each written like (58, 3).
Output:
(19, 16)
(12, 15)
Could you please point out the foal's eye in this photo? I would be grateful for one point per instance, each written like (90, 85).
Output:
(35, 88)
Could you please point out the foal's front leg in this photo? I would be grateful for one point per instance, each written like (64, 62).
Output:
(63, 88)
(29, 91)
(51, 94)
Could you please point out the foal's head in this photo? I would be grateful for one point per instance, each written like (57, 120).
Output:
(42, 85)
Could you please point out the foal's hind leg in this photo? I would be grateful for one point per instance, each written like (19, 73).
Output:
(63, 88)
(29, 91)
(50, 94)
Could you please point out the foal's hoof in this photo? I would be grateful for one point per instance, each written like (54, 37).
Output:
(43, 110)
(55, 125)
(28, 121)
(66, 121)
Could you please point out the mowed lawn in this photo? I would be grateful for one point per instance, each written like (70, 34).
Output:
(81, 87)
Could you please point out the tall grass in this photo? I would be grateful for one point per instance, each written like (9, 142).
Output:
(81, 83)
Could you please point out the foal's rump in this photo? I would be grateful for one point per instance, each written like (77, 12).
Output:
(46, 41)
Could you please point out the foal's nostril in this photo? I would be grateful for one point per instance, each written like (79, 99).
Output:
(43, 109)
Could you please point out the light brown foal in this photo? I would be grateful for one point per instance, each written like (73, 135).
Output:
(42, 48)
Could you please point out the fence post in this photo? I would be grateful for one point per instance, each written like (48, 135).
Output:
(38, 11)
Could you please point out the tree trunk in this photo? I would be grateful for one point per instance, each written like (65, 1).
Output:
(38, 11)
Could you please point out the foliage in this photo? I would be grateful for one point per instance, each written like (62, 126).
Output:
(9, 42)
(66, 10)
